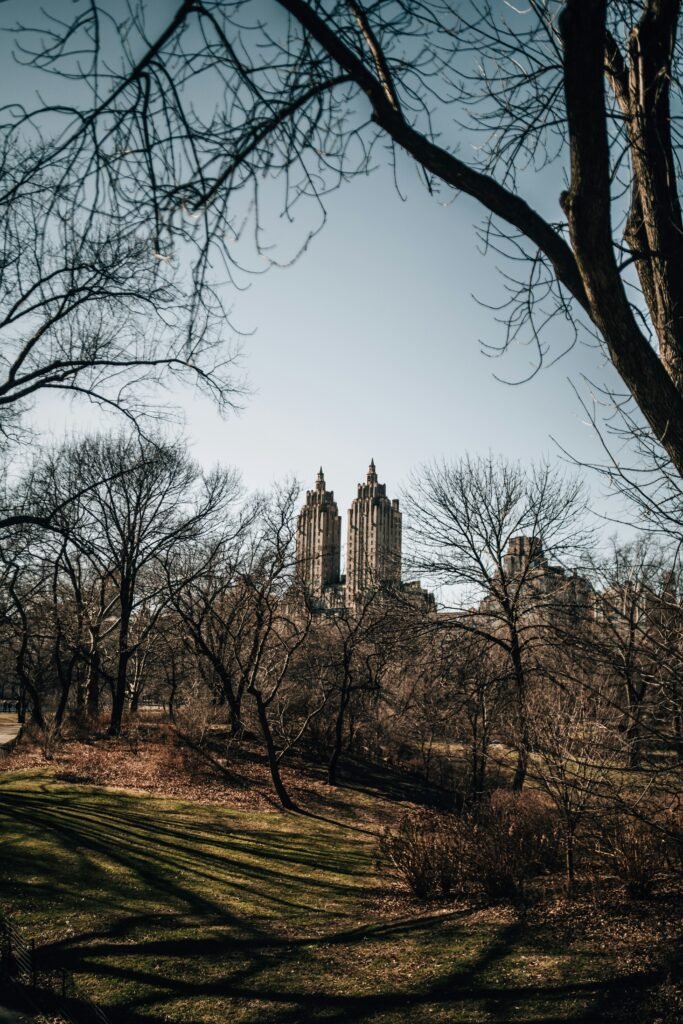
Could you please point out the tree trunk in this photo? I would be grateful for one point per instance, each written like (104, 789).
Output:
(119, 695)
(61, 707)
(273, 764)
(338, 740)
(21, 705)
(92, 687)
(678, 734)
(569, 859)
(235, 723)
(633, 740)
(522, 765)
(478, 777)
(28, 688)
(234, 703)
(523, 742)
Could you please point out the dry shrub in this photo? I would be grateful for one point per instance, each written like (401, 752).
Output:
(194, 717)
(46, 738)
(512, 837)
(428, 850)
(640, 852)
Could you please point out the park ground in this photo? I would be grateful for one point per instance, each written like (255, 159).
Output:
(201, 902)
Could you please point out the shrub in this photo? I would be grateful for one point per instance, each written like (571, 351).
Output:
(46, 737)
(638, 852)
(429, 852)
(512, 837)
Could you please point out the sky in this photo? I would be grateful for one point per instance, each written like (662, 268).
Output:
(369, 346)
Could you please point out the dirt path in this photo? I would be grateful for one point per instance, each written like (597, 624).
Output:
(9, 729)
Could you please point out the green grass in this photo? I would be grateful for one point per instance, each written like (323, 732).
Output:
(175, 912)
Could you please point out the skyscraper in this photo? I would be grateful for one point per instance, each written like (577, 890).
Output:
(318, 540)
(373, 542)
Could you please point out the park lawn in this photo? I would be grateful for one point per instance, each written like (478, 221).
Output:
(170, 911)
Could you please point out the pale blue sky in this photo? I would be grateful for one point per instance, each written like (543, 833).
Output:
(369, 346)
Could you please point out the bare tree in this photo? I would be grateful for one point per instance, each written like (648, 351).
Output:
(23, 589)
(310, 90)
(637, 640)
(487, 529)
(271, 622)
(86, 309)
(137, 500)
(360, 642)
(577, 747)
(246, 619)
(460, 695)
(202, 585)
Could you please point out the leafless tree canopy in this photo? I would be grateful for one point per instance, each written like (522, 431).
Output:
(464, 519)
(198, 123)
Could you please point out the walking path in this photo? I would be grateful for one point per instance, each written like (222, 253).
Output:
(9, 730)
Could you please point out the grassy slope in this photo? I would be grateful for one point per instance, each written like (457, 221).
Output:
(195, 913)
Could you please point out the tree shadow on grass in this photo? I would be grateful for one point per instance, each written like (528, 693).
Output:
(465, 992)
(240, 919)
(392, 784)
(117, 856)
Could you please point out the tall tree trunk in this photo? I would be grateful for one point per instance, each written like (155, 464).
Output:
(522, 766)
(119, 696)
(63, 701)
(523, 740)
(273, 764)
(338, 739)
(27, 687)
(21, 705)
(234, 702)
(92, 687)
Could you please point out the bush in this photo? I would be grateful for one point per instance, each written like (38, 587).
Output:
(515, 838)
(511, 838)
(429, 852)
(47, 738)
(639, 852)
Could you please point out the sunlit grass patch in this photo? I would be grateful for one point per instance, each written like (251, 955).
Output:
(172, 911)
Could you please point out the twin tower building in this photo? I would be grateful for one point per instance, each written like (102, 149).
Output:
(373, 543)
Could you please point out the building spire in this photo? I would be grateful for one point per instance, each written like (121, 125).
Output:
(320, 482)
(372, 474)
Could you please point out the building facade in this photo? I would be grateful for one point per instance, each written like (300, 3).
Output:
(373, 546)
(318, 541)
(373, 538)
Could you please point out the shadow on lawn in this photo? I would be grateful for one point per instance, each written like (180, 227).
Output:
(203, 907)
(460, 993)
(393, 784)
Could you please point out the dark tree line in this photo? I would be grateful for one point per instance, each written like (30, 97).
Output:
(549, 660)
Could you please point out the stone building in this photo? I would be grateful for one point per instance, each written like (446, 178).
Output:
(318, 540)
(536, 585)
(373, 540)
(523, 553)
(373, 546)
